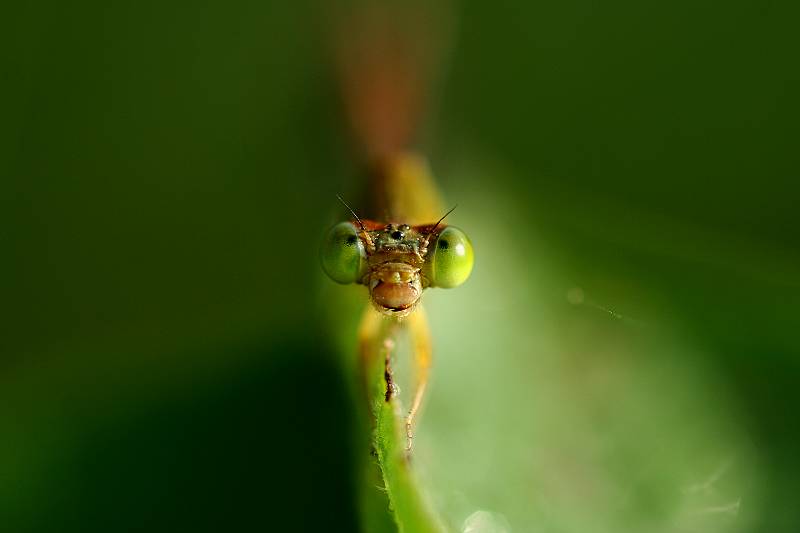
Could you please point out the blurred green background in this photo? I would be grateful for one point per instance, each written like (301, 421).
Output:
(625, 357)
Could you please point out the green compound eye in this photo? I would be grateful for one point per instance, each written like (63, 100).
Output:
(449, 264)
(342, 254)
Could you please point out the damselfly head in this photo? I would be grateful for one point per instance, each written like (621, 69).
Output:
(396, 261)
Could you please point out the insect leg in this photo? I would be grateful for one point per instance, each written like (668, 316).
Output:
(421, 348)
(375, 337)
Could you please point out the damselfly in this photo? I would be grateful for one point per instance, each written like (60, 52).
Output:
(410, 248)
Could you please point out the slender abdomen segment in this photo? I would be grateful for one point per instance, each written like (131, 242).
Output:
(404, 190)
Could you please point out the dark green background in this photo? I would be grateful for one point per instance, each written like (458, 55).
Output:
(167, 171)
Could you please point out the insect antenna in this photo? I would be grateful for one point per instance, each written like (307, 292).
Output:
(440, 220)
(353, 213)
(423, 249)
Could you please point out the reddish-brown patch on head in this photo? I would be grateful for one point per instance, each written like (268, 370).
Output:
(395, 296)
